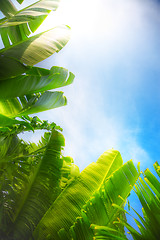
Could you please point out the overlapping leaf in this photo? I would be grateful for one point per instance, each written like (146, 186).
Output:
(19, 24)
(24, 90)
(69, 171)
(157, 168)
(14, 59)
(34, 81)
(103, 232)
(7, 8)
(148, 192)
(68, 205)
(34, 103)
(6, 121)
(99, 210)
(31, 195)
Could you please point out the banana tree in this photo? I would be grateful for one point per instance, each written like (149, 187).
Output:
(43, 195)
(31, 176)
(88, 201)
(25, 89)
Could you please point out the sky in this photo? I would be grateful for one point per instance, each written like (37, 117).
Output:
(114, 102)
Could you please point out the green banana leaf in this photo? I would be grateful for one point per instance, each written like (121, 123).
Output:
(18, 25)
(6, 122)
(28, 124)
(34, 81)
(103, 232)
(148, 192)
(12, 148)
(69, 171)
(8, 145)
(7, 8)
(30, 181)
(13, 66)
(34, 103)
(157, 168)
(32, 195)
(14, 154)
(20, 1)
(13, 60)
(67, 207)
(99, 209)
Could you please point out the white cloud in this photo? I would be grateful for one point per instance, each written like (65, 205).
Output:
(89, 131)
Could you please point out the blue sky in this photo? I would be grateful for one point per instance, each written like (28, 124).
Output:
(114, 101)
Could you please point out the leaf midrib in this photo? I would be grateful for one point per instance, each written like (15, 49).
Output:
(27, 191)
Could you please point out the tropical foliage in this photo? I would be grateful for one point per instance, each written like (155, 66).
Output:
(88, 200)
(31, 176)
(148, 192)
(24, 89)
(42, 193)
(44, 196)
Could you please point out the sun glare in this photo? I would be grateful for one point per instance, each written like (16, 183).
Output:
(77, 15)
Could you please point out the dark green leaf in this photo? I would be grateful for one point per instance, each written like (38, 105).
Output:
(7, 8)
(20, 1)
(32, 195)
(6, 121)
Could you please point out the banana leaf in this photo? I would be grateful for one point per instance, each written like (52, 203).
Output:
(29, 104)
(7, 122)
(148, 192)
(103, 232)
(157, 168)
(30, 195)
(67, 207)
(12, 148)
(34, 81)
(13, 60)
(18, 25)
(20, 1)
(7, 8)
(99, 210)
(69, 171)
